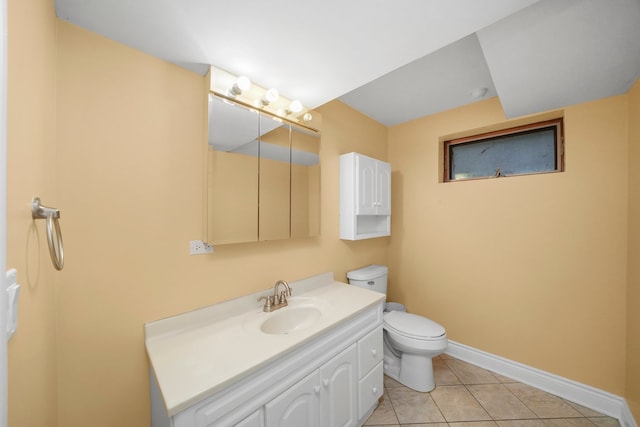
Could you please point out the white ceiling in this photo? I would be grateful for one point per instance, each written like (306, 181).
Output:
(439, 81)
(392, 60)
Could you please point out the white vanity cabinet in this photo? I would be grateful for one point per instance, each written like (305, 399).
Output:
(332, 380)
(365, 197)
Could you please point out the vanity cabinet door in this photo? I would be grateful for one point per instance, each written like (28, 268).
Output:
(339, 391)
(254, 420)
(298, 406)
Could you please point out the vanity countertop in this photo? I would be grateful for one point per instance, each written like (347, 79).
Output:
(195, 354)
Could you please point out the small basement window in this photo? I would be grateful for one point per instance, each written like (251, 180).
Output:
(523, 150)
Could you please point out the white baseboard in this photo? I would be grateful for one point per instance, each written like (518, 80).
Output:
(626, 417)
(590, 397)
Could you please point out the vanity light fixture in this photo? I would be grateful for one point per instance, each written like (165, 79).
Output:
(239, 89)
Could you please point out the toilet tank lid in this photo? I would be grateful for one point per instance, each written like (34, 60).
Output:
(367, 273)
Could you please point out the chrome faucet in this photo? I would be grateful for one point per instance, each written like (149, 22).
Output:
(277, 300)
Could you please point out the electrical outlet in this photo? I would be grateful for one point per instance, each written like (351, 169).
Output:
(197, 247)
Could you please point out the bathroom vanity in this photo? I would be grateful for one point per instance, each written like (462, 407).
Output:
(315, 362)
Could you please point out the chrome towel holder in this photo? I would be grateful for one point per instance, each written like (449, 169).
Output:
(52, 215)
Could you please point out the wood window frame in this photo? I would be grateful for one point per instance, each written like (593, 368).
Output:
(557, 124)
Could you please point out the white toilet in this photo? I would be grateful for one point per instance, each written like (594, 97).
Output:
(410, 341)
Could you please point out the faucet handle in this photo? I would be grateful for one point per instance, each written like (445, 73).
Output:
(283, 298)
(268, 303)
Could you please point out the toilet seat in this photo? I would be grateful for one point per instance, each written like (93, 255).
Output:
(412, 326)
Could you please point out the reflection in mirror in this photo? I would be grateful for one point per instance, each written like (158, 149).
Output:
(232, 173)
(305, 182)
(275, 178)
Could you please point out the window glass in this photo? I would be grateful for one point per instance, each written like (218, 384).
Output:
(517, 151)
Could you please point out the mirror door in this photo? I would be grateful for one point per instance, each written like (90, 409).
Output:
(274, 193)
(305, 182)
(232, 173)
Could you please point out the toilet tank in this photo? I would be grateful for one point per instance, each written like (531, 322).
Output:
(372, 277)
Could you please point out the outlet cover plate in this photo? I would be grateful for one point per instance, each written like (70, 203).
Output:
(199, 247)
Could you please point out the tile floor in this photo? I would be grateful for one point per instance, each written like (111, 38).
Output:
(469, 396)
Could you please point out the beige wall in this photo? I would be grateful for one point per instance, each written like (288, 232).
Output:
(633, 292)
(130, 183)
(115, 139)
(530, 268)
(31, 172)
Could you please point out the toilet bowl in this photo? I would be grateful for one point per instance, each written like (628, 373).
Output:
(410, 341)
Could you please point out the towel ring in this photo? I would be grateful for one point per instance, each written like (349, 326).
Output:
(52, 215)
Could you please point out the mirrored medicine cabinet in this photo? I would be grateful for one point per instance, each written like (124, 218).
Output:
(263, 176)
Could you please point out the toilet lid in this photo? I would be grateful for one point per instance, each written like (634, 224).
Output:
(412, 325)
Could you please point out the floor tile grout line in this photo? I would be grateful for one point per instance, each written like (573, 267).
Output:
(395, 414)
(469, 391)
(438, 406)
(466, 388)
(519, 400)
(480, 403)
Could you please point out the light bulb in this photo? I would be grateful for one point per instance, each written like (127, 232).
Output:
(270, 96)
(242, 83)
(307, 117)
(294, 107)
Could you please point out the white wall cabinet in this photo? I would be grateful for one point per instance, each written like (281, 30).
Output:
(335, 380)
(365, 197)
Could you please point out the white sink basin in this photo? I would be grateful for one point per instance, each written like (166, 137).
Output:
(290, 319)
(301, 314)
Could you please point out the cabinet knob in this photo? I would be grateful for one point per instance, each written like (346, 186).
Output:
(317, 389)
(374, 390)
(325, 382)
(374, 352)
